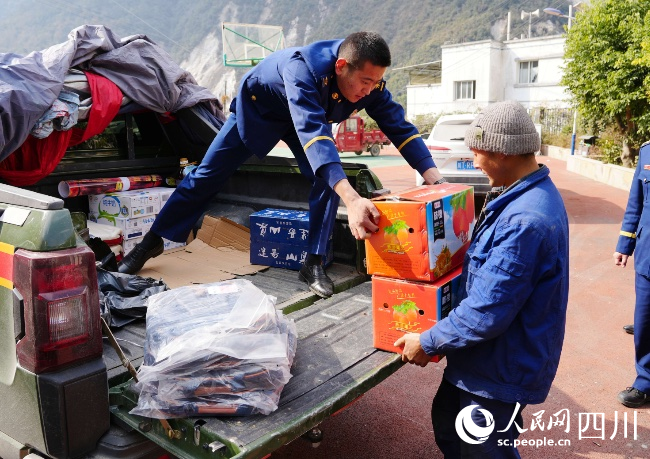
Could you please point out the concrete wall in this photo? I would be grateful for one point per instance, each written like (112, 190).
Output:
(610, 174)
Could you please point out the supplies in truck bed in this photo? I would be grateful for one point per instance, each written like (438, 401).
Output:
(219, 349)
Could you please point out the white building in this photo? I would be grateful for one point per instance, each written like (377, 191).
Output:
(470, 76)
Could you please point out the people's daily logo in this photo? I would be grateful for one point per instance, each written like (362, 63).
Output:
(467, 429)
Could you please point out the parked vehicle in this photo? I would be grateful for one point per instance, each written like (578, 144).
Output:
(454, 160)
(64, 392)
(352, 135)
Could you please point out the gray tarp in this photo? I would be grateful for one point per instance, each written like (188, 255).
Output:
(141, 69)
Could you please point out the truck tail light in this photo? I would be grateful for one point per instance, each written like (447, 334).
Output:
(61, 308)
(437, 149)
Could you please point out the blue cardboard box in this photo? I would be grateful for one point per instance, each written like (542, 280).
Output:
(280, 255)
(280, 225)
(280, 238)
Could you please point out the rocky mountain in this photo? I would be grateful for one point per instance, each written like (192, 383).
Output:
(191, 31)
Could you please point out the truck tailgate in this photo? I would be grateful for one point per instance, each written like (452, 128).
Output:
(291, 294)
(335, 363)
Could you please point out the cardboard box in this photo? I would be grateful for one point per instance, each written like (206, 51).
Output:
(423, 232)
(280, 225)
(280, 238)
(169, 245)
(162, 191)
(126, 204)
(210, 257)
(401, 306)
(129, 244)
(279, 255)
(222, 232)
(131, 227)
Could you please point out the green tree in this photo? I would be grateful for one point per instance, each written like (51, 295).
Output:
(604, 71)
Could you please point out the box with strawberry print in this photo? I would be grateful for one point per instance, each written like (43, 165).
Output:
(424, 232)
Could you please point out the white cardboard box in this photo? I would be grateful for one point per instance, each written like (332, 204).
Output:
(126, 204)
(131, 227)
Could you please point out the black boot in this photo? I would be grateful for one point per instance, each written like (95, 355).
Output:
(150, 247)
(629, 329)
(314, 274)
(633, 398)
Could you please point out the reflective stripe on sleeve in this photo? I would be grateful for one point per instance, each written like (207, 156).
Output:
(626, 234)
(317, 138)
(407, 141)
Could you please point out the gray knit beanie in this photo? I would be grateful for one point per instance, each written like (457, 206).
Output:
(504, 127)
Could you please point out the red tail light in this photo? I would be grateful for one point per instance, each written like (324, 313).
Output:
(61, 308)
(439, 149)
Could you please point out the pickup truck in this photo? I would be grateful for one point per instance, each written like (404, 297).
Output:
(352, 135)
(64, 391)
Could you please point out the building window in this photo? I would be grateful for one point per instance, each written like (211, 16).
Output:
(528, 72)
(464, 90)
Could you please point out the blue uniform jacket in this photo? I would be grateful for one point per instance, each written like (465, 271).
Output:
(635, 219)
(295, 90)
(503, 341)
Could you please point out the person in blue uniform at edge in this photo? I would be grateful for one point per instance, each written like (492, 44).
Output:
(503, 340)
(631, 240)
(295, 95)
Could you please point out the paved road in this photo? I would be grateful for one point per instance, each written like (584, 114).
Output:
(393, 419)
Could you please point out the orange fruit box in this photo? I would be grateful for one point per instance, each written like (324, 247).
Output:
(400, 306)
(424, 232)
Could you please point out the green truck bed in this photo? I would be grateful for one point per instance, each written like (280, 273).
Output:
(335, 363)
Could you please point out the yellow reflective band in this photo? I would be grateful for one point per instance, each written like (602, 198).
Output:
(407, 141)
(320, 137)
(625, 233)
(6, 248)
(6, 283)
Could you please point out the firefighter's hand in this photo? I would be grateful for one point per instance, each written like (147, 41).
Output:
(432, 176)
(363, 218)
(413, 352)
(620, 259)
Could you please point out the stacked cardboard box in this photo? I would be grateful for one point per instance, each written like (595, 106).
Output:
(280, 238)
(416, 258)
(133, 212)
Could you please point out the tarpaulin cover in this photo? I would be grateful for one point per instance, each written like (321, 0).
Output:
(36, 158)
(141, 70)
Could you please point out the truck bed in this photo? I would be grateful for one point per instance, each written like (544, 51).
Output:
(335, 363)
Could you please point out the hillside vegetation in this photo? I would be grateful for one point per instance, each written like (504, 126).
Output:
(414, 29)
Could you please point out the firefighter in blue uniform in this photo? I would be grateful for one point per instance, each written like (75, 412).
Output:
(295, 95)
(633, 239)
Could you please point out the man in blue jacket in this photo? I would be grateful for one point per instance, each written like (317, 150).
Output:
(631, 240)
(295, 95)
(503, 341)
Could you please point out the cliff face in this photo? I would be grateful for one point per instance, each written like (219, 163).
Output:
(191, 31)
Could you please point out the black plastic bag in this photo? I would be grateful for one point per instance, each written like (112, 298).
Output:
(123, 297)
(103, 254)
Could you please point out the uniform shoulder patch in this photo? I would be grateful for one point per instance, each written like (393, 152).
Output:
(381, 85)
